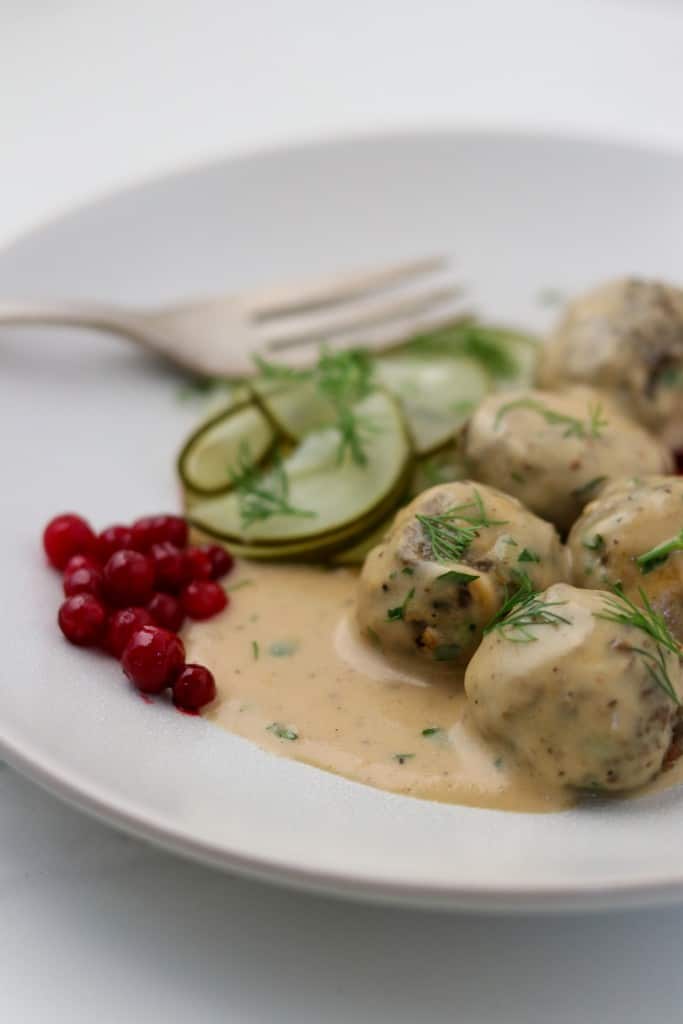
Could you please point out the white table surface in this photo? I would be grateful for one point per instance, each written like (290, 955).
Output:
(95, 925)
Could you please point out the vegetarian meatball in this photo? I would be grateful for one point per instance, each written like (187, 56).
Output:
(633, 535)
(445, 567)
(555, 451)
(574, 685)
(627, 337)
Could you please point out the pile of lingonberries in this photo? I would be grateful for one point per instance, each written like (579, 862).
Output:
(128, 591)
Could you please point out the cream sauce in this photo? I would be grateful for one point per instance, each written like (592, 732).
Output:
(294, 677)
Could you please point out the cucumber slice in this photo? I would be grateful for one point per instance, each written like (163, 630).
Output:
(213, 450)
(437, 394)
(296, 407)
(344, 500)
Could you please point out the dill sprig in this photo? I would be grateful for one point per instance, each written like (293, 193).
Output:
(573, 426)
(261, 497)
(657, 555)
(448, 539)
(485, 344)
(522, 609)
(621, 609)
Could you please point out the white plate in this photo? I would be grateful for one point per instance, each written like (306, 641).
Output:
(92, 425)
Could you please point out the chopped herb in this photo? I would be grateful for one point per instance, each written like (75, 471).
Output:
(396, 614)
(238, 585)
(658, 555)
(573, 427)
(276, 371)
(521, 610)
(344, 378)
(584, 492)
(282, 732)
(283, 648)
(407, 571)
(453, 575)
(446, 652)
(518, 477)
(498, 763)
(432, 731)
(447, 539)
(527, 555)
(255, 649)
(402, 758)
(594, 543)
(620, 609)
(261, 497)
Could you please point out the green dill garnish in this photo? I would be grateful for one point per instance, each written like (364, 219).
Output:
(527, 555)
(446, 652)
(407, 571)
(283, 732)
(522, 609)
(261, 497)
(658, 555)
(276, 371)
(283, 648)
(454, 576)
(594, 543)
(344, 378)
(449, 540)
(573, 427)
(237, 586)
(402, 758)
(584, 492)
(433, 730)
(620, 609)
(255, 649)
(396, 614)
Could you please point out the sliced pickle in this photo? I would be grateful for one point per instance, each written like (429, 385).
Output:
(206, 461)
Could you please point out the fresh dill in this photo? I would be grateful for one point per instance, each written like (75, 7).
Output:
(448, 539)
(657, 555)
(283, 732)
(398, 614)
(620, 609)
(433, 730)
(586, 490)
(455, 576)
(573, 426)
(261, 497)
(521, 610)
(277, 371)
(488, 345)
(255, 649)
(594, 543)
(527, 555)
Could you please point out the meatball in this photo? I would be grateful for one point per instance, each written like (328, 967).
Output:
(636, 518)
(554, 451)
(586, 701)
(626, 337)
(444, 569)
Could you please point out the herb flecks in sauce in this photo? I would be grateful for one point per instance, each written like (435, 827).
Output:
(402, 758)
(283, 648)
(283, 732)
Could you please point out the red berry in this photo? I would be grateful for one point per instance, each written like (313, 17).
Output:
(166, 611)
(122, 625)
(81, 562)
(170, 566)
(65, 536)
(114, 538)
(128, 578)
(198, 564)
(221, 560)
(82, 619)
(194, 687)
(85, 580)
(153, 659)
(202, 599)
(157, 529)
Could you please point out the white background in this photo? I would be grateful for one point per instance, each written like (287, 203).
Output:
(97, 926)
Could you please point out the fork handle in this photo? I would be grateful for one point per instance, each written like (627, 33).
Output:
(67, 314)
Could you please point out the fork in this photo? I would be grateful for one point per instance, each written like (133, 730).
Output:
(220, 336)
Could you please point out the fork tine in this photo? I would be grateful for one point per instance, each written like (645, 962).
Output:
(380, 339)
(282, 300)
(312, 329)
